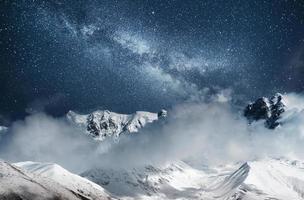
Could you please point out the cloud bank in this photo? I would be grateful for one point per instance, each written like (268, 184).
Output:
(211, 133)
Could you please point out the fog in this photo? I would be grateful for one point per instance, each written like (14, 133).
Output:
(208, 133)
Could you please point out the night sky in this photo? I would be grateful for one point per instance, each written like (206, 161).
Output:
(145, 55)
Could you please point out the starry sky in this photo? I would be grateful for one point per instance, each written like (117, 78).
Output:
(133, 55)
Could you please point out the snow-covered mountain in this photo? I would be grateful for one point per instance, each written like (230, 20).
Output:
(101, 124)
(275, 111)
(77, 184)
(171, 181)
(268, 109)
(263, 179)
(266, 179)
(17, 183)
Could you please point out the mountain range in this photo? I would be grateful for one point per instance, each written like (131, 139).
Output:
(268, 178)
(102, 124)
(255, 180)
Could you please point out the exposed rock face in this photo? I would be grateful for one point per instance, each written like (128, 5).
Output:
(162, 113)
(101, 124)
(266, 109)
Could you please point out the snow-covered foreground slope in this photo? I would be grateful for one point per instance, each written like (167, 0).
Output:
(168, 182)
(73, 182)
(16, 183)
(256, 180)
(101, 124)
(281, 179)
(267, 179)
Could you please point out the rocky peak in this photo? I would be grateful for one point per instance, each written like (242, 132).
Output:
(103, 123)
(268, 109)
(162, 113)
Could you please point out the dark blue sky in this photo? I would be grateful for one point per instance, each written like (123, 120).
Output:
(145, 55)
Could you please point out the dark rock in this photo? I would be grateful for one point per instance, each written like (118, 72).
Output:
(266, 109)
(162, 113)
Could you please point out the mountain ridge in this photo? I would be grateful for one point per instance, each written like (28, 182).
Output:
(17, 183)
(102, 124)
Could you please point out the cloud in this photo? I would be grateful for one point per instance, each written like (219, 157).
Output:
(294, 101)
(43, 138)
(211, 133)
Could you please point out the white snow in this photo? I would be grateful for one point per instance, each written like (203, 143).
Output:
(262, 179)
(102, 123)
(16, 183)
(65, 178)
(169, 181)
(279, 179)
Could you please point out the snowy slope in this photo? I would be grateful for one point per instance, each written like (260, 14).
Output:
(16, 183)
(264, 179)
(167, 182)
(279, 179)
(256, 180)
(101, 124)
(73, 182)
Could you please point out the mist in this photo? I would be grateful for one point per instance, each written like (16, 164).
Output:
(207, 133)
(211, 134)
(43, 138)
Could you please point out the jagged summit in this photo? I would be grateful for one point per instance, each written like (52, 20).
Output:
(162, 113)
(268, 109)
(101, 124)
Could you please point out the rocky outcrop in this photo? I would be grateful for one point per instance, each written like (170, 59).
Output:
(268, 109)
(101, 124)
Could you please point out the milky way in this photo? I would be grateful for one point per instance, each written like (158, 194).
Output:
(145, 55)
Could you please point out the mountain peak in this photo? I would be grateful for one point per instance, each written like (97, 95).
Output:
(101, 124)
(268, 109)
(54, 172)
